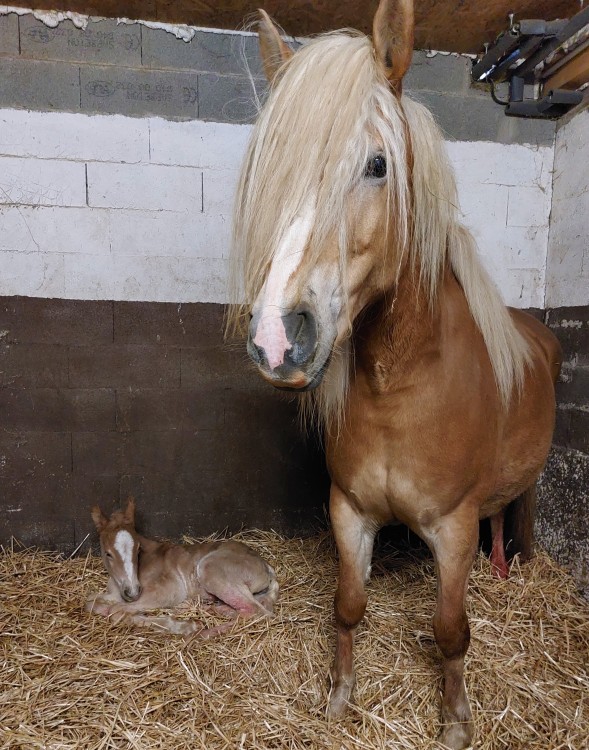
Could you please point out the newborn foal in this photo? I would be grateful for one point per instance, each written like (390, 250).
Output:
(145, 574)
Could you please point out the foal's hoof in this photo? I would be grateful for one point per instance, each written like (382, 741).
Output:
(457, 736)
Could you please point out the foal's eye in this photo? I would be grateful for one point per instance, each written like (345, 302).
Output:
(376, 167)
(108, 554)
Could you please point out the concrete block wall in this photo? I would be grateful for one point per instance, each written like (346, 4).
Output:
(563, 517)
(136, 204)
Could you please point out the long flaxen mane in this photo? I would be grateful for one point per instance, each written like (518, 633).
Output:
(313, 137)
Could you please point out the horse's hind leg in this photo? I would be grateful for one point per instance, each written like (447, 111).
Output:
(454, 546)
(354, 540)
(499, 565)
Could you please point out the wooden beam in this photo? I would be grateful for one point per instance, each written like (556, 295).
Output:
(571, 75)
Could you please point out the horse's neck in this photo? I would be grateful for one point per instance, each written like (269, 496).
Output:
(398, 331)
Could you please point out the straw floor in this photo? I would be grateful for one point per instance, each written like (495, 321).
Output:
(72, 680)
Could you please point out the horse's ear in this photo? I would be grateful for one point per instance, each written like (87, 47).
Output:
(130, 510)
(273, 49)
(392, 35)
(100, 520)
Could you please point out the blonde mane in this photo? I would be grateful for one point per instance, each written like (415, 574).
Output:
(314, 136)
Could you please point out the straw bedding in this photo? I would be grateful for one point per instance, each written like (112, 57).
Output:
(73, 680)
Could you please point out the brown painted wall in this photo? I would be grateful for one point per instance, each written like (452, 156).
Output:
(102, 399)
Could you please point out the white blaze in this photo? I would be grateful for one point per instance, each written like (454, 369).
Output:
(270, 333)
(124, 546)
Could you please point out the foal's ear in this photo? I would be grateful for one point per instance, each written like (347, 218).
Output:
(273, 49)
(392, 36)
(100, 520)
(129, 512)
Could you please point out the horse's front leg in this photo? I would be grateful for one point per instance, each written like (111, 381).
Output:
(354, 538)
(454, 546)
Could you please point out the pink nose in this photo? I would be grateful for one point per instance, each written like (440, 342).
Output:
(271, 338)
(283, 344)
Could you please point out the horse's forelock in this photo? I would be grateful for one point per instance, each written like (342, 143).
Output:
(313, 136)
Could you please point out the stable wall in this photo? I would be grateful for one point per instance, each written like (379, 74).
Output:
(563, 517)
(119, 151)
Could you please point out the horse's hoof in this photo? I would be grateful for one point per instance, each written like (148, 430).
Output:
(339, 701)
(457, 736)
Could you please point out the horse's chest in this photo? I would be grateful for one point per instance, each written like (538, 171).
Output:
(378, 480)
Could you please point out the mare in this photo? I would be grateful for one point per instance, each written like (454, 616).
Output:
(360, 288)
(145, 574)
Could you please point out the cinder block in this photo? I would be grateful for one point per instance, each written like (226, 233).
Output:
(439, 72)
(29, 84)
(9, 35)
(146, 279)
(63, 135)
(536, 132)
(162, 233)
(164, 409)
(50, 409)
(103, 42)
(59, 321)
(97, 453)
(209, 52)
(219, 366)
(228, 98)
(484, 206)
(473, 118)
(124, 366)
(202, 280)
(33, 366)
(146, 187)
(213, 145)
(571, 327)
(495, 163)
(139, 92)
(42, 182)
(528, 207)
(88, 277)
(524, 247)
(195, 325)
(34, 453)
(54, 230)
(32, 275)
(219, 188)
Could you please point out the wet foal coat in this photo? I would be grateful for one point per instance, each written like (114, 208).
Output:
(146, 575)
(363, 287)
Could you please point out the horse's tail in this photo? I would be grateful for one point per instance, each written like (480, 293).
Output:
(519, 525)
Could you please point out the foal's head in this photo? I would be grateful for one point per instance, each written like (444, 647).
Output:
(119, 545)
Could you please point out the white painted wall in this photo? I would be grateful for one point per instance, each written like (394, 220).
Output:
(568, 249)
(110, 207)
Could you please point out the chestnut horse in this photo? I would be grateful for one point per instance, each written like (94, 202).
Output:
(362, 287)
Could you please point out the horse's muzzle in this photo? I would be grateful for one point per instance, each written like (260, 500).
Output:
(290, 365)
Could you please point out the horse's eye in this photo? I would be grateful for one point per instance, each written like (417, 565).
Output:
(108, 554)
(376, 167)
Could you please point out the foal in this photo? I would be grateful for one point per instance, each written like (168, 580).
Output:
(146, 574)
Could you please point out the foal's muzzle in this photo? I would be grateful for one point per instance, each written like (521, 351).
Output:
(296, 369)
(130, 595)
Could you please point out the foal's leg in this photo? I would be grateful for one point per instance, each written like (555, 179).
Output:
(354, 539)
(454, 546)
